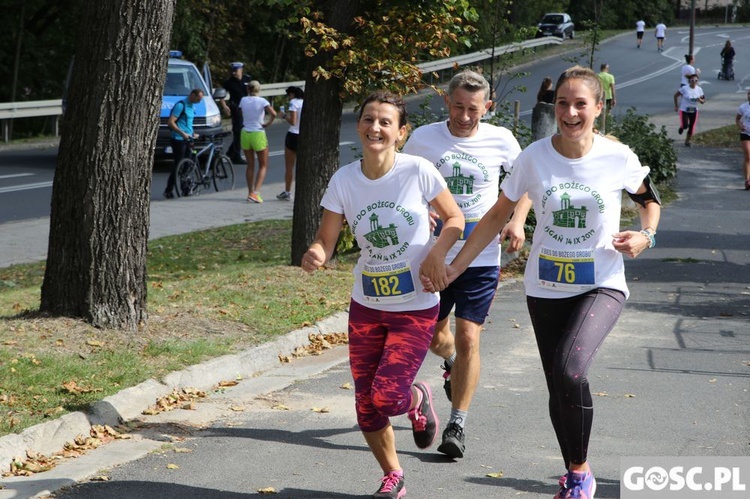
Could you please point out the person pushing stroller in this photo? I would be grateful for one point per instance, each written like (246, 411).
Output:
(727, 62)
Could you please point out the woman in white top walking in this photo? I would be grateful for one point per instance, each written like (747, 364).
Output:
(253, 138)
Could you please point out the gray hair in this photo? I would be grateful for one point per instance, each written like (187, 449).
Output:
(470, 81)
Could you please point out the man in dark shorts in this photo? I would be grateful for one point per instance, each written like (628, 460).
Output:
(471, 155)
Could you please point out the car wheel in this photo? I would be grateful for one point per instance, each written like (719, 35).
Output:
(572, 34)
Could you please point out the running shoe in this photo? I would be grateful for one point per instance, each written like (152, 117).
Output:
(392, 485)
(680, 130)
(447, 378)
(424, 421)
(453, 441)
(169, 195)
(747, 185)
(254, 197)
(577, 486)
(284, 196)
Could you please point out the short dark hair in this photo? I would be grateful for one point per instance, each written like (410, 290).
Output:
(386, 97)
(296, 91)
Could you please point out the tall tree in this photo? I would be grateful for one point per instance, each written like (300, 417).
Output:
(96, 263)
(354, 48)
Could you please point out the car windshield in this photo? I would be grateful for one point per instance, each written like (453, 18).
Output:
(552, 19)
(181, 80)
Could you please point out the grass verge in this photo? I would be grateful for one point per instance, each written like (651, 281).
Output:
(210, 293)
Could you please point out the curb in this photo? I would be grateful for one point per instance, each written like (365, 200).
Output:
(48, 438)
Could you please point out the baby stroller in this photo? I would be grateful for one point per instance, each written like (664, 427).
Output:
(727, 69)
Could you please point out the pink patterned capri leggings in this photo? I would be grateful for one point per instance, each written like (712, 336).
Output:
(386, 350)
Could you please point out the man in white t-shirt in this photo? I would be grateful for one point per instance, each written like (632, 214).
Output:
(471, 156)
(640, 27)
(660, 32)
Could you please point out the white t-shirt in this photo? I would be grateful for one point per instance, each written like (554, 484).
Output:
(389, 217)
(471, 167)
(296, 106)
(660, 31)
(744, 111)
(640, 26)
(253, 112)
(577, 205)
(686, 71)
(690, 98)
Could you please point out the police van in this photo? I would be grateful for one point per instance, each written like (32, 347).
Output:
(182, 77)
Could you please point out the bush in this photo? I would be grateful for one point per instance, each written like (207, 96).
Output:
(653, 147)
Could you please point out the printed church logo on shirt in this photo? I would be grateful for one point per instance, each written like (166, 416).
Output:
(569, 216)
(458, 183)
(380, 237)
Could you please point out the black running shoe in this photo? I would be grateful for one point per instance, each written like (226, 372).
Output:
(453, 441)
(447, 378)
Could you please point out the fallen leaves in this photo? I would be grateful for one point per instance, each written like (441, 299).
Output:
(267, 490)
(72, 387)
(38, 463)
(319, 343)
(182, 398)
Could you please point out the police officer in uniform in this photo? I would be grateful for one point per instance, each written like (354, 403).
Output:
(236, 85)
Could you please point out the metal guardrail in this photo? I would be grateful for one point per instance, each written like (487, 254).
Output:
(28, 109)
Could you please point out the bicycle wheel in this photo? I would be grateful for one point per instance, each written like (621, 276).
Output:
(223, 174)
(187, 177)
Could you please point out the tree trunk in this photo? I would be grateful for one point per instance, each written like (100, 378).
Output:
(96, 263)
(318, 153)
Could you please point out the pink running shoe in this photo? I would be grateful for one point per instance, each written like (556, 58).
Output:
(392, 485)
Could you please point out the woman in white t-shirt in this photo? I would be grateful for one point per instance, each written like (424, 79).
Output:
(690, 96)
(253, 138)
(742, 120)
(574, 278)
(292, 115)
(385, 198)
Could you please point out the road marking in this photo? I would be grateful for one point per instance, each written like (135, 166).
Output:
(16, 175)
(25, 187)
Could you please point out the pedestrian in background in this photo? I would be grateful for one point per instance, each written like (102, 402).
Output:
(253, 138)
(608, 84)
(690, 96)
(660, 32)
(574, 278)
(546, 92)
(180, 121)
(236, 85)
(742, 120)
(292, 115)
(479, 153)
(640, 28)
(385, 198)
(688, 69)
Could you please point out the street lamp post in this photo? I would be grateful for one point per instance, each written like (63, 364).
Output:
(692, 25)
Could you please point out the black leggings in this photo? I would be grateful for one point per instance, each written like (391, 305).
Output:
(688, 121)
(569, 332)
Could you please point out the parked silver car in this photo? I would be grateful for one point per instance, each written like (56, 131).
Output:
(556, 24)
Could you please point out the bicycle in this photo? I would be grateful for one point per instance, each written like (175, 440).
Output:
(197, 172)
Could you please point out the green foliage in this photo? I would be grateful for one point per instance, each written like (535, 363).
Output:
(653, 147)
(385, 44)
